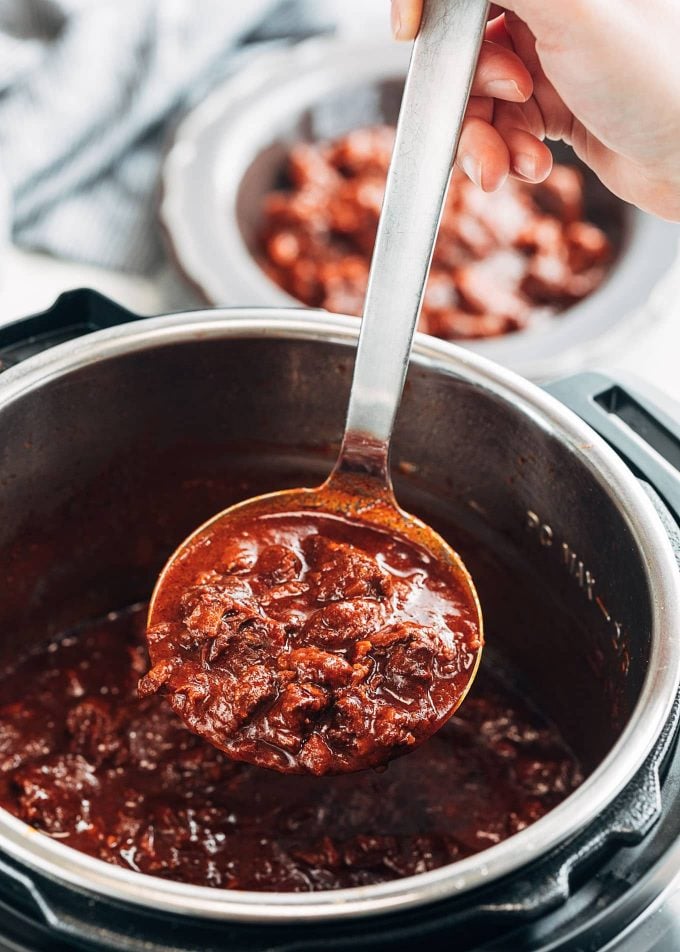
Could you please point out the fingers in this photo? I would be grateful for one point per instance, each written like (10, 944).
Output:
(482, 154)
(527, 117)
(503, 127)
(405, 16)
(501, 74)
(501, 139)
(487, 157)
(530, 159)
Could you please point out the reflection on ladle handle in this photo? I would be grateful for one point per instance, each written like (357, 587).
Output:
(432, 109)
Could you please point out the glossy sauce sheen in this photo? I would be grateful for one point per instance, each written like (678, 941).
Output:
(86, 761)
(308, 643)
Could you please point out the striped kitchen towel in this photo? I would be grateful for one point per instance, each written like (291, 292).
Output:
(89, 92)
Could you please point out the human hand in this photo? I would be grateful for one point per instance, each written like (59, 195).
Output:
(603, 77)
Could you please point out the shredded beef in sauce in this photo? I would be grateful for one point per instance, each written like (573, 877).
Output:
(85, 760)
(311, 644)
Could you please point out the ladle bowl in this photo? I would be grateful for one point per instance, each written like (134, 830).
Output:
(355, 501)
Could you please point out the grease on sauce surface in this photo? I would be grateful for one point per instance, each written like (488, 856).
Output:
(86, 761)
(309, 643)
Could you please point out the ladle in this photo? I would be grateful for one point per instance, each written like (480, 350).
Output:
(359, 488)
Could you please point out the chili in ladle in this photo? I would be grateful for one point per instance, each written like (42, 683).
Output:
(326, 630)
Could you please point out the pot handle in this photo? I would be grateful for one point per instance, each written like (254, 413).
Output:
(642, 433)
(73, 314)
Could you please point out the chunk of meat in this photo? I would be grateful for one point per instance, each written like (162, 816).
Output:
(317, 240)
(93, 728)
(491, 286)
(277, 564)
(313, 664)
(586, 246)
(24, 735)
(299, 704)
(56, 794)
(343, 571)
(341, 623)
(561, 194)
(362, 151)
(329, 654)
(258, 687)
(205, 606)
(158, 676)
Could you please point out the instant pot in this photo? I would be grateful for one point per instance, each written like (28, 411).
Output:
(91, 396)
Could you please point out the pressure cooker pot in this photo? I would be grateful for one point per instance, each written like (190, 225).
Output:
(122, 438)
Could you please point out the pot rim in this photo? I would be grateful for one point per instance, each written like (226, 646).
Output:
(65, 864)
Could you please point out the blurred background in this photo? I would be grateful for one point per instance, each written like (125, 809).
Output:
(177, 153)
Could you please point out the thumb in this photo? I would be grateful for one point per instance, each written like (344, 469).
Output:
(405, 18)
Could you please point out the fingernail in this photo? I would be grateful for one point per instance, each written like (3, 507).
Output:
(395, 17)
(472, 168)
(504, 89)
(525, 165)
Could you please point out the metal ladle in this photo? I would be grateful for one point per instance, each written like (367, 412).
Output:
(360, 488)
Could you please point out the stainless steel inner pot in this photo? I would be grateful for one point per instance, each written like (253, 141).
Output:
(83, 428)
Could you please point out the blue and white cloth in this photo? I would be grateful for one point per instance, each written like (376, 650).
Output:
(89, 91)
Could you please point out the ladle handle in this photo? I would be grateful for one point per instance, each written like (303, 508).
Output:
(432, 109)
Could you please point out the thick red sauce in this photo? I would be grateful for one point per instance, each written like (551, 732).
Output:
(309, 643)
(86, 761)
